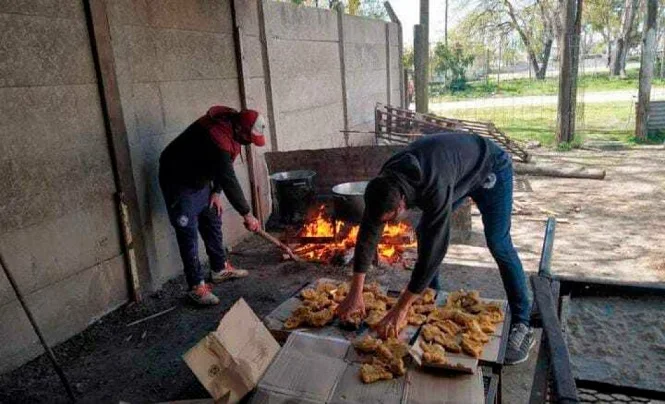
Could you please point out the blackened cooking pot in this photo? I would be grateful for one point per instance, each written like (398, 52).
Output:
(295, 194)
(349, 201)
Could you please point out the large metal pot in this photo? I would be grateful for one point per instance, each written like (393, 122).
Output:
(350, 201)
(295, 193)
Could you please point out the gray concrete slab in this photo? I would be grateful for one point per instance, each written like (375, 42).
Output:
(61, 310)
(312, 128)
(288, 21)
(72, 9)
(39, 51)
(186, 101)
(305, 92)
(364, 30)
(46, 253)
(194, 15)
(294, 58)
(363, 56)
(247, 12)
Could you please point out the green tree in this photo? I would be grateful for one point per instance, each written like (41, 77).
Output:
(407, 58)
(604, 18)
(452, 60)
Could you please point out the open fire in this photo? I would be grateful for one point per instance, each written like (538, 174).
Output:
(324, 240)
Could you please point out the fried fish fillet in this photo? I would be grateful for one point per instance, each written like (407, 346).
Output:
(321, 318)
(367, 344)
(433, 353)
(374, 317)
(486, 324)
(463, 319)
(293, 322)
(440, 314)
(448, 326)
(424, 308)
(377, 305)
(416, 319)
(326, 287)
(370, 373)
(309, 294)
(472, 347)
(475, 333)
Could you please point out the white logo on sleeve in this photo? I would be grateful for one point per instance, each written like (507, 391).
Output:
(183, 221)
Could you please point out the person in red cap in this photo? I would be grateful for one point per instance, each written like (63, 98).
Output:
(194, 169)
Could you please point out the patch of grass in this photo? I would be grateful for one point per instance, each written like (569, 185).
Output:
(601, 121)
(654, 137)
(550, 86)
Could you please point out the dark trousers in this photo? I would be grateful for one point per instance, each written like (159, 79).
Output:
(495, 205)
(190, 214)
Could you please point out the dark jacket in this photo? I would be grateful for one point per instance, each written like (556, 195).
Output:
(432, 173)
(194, 160)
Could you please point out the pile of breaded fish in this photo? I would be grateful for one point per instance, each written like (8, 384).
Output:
(463, 324)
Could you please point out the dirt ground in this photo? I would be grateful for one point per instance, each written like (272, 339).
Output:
(614, 231)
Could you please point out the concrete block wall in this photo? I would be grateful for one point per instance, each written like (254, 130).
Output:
(306, 78)
(173, 61)
(58, 220)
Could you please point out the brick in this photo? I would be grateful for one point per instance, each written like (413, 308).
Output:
(288, 21)
(587, 398)
(621, 397)
(605, 397)
(38, 51)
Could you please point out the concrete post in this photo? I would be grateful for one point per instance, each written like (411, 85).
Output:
(342, 70)
(388, 84)
(400, 50)
(420, 67)
(265, 55)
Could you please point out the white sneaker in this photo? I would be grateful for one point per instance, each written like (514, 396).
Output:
(202, 295)
(229, 272)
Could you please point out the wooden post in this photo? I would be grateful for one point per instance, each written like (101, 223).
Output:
(267, 75)
(566, 104)
(400, 55)
(646, 68)
(342, 69)
(116, 133)
(242, 86)
(420, 65)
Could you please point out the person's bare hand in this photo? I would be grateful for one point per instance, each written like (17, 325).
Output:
(251, 223)
(216, 203)
(352, 304)
(392, 323)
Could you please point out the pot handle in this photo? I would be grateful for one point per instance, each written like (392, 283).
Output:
(297, 184)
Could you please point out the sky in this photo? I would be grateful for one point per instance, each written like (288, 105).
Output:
(408, 11)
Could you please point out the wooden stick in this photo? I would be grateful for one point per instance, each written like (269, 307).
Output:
(151, 317)
(587, 173)
(35, 327)
(279, 244)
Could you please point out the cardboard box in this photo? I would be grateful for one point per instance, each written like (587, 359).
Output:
(230, 361)
(314, 369)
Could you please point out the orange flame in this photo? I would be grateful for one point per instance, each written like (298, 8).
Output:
(322, 226)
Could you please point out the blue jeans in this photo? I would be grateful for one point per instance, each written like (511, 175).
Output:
(495, 205)
(189, 213)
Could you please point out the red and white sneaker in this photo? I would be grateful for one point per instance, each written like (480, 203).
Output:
(202, 295)
(229, 272)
